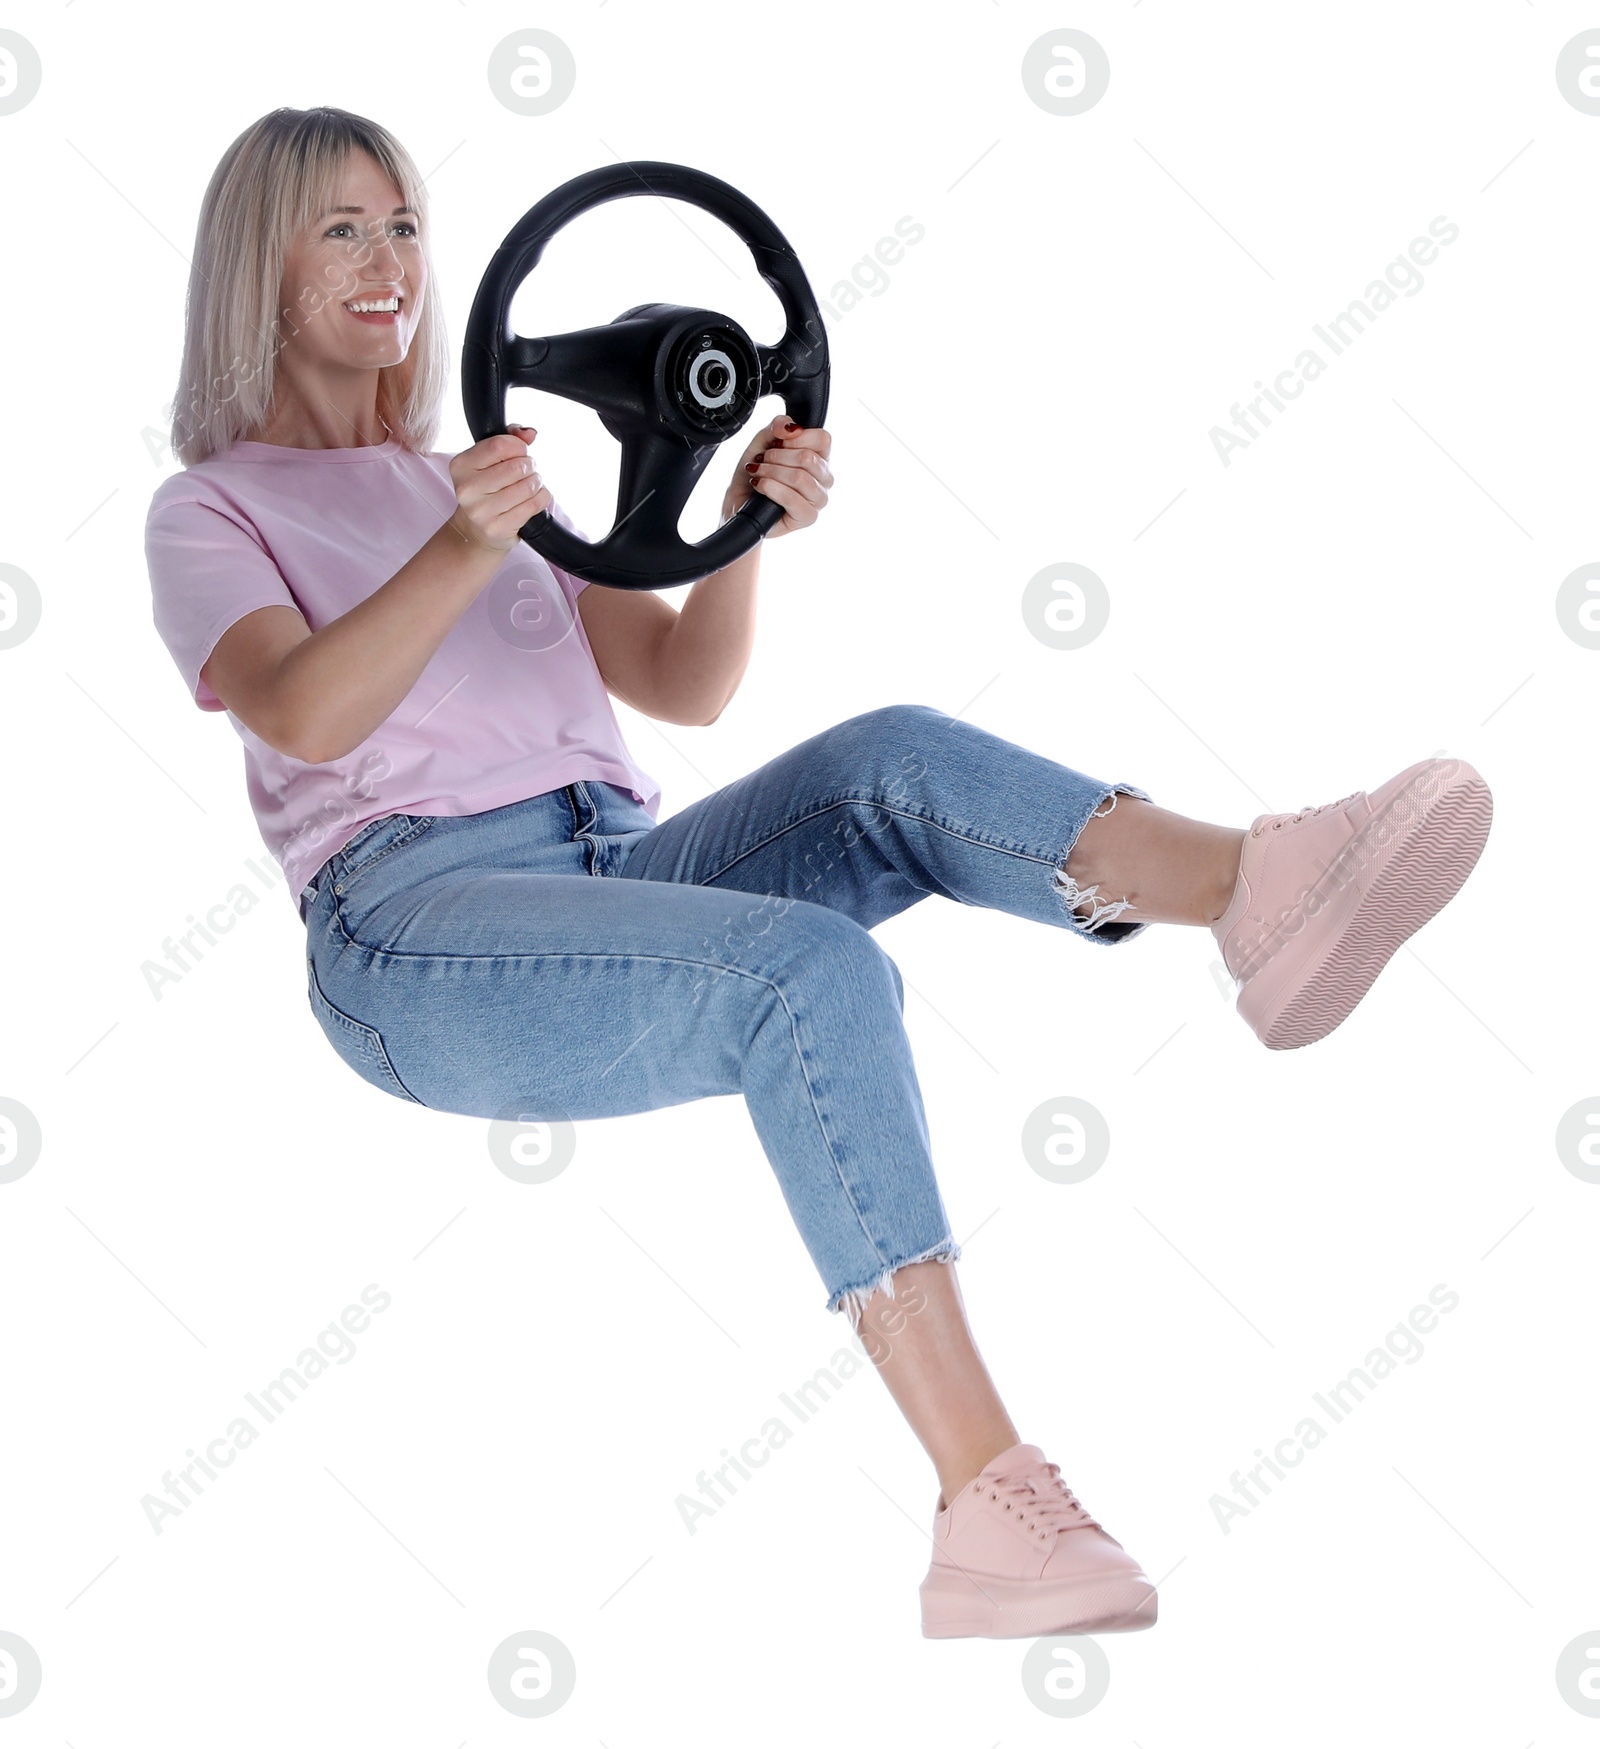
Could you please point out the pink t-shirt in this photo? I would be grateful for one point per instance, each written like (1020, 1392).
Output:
(511, 704)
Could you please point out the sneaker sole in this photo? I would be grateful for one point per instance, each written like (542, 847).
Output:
(956, 1606)
(1427, 871)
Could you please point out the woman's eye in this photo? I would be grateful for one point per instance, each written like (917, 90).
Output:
(404, 225)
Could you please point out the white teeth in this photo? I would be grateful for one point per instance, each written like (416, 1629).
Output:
(372, 306)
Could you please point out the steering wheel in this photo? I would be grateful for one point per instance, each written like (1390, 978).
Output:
(668, 382)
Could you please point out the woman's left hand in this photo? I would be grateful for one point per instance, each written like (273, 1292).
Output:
(788, 464)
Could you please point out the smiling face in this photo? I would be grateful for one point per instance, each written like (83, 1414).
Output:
(365, 252)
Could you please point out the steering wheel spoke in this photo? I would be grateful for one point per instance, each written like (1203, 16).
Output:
(658, 473)
(798, 357)
(600, 368)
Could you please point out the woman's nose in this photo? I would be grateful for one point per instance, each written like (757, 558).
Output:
(371, 248)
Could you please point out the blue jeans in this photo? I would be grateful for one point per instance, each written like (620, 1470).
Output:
(567, 957)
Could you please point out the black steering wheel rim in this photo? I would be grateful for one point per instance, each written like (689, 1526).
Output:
(668, 382)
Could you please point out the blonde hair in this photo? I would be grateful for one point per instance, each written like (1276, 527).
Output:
(278, 176)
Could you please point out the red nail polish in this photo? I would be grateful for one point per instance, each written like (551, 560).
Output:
(791, 426)
(751, 467)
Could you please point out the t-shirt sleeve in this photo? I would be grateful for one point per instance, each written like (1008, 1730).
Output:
(206, 571)
(575, 583)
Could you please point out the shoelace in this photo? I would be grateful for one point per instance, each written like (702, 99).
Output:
(1041, 1500)
(1277, 820)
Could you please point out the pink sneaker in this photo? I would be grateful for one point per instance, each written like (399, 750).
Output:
(1015, 1556)
(1326, 896)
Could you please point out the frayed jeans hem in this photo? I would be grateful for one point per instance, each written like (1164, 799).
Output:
(852, 1301)
(1101, 926)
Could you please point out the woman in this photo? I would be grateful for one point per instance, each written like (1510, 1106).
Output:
(498, 925)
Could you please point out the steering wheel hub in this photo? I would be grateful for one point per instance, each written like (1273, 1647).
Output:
(714, 376)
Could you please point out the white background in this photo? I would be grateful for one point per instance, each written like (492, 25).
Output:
(1372, 581)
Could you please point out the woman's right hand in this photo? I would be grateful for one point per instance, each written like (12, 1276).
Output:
(497, 489)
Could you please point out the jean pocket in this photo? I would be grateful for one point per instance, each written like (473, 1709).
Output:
(374, 842)
(361, 1046)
